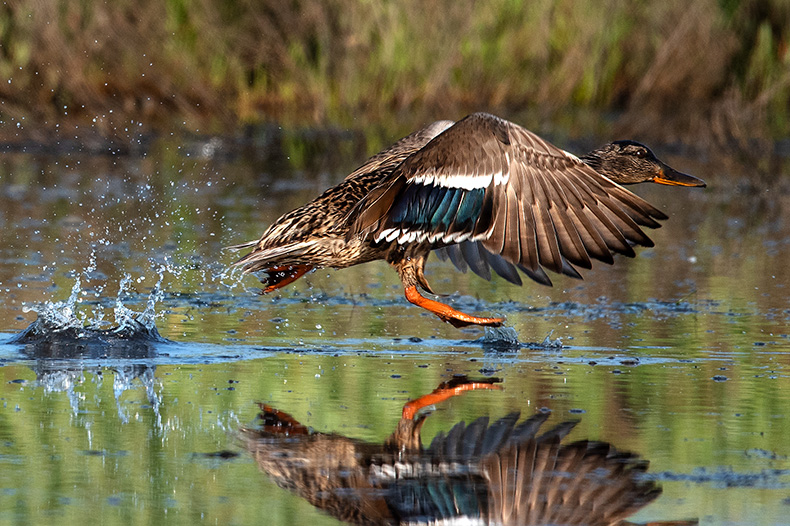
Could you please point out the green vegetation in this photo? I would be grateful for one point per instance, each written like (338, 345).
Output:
(709, 72)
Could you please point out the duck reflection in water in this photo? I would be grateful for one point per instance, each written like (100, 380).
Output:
(503, 473)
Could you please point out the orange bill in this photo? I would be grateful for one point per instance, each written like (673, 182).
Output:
(672, 177)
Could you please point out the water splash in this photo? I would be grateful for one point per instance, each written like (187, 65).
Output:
(231, 278)
(60, 314)
(61, 329)
(548, 343)
(500, 338)
(124, 316)
(149, 315)
(62, 337)
(506, 339)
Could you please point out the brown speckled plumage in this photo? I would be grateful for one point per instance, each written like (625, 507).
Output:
(484, 192)
(315, 233)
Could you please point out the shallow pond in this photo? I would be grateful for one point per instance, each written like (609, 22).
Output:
(680, 355)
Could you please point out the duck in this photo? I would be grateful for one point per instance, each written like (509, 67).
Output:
(483, 192)
(487, 472)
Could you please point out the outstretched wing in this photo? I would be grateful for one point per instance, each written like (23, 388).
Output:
(489, 181)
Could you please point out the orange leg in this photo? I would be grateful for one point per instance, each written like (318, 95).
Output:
(276, 421)
(279, 277)
(443, 392)
(447, 313)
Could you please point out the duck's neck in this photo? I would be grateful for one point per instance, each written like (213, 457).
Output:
(593, 160)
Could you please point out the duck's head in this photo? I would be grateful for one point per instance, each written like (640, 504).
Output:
(629, 162)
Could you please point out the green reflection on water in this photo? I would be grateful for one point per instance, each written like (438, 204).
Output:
(86, 454)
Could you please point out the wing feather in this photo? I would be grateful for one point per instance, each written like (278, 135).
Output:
(548, 245)
(511, 248)
(528, 242)
(512, 199)
(560, 209)
(474, 254)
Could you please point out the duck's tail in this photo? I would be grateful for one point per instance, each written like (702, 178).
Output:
(248, 244)
(266, 258)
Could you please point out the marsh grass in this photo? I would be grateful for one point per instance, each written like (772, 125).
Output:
(705, 72)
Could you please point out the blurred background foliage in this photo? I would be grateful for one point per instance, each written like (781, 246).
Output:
(705, 72)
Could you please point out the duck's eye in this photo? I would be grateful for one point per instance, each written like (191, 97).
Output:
(641, 153)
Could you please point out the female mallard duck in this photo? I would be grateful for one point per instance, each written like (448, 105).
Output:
(487, 193)
(502, 473)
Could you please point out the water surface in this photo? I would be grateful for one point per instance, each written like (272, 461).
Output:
(680, 355)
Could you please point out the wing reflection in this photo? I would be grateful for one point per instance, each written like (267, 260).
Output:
(504, 472)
